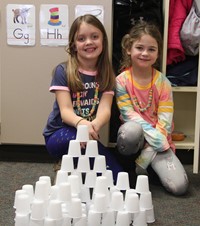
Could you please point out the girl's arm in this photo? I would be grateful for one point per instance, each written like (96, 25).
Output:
(165, 109)
(103, 112)
(66, 109)
(69, 117)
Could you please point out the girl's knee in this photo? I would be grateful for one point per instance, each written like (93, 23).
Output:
(130, 138)
(177, 187)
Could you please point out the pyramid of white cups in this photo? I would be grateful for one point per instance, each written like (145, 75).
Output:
(84, 193)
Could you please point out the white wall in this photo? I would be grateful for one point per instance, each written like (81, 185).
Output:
(25, 101)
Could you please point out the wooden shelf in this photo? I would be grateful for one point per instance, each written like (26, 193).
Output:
(185, 89)
(187, 143)
(186, 102)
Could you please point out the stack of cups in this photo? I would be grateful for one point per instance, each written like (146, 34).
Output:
(123, 218)
(37, 213)
(131, 204)
(22, 206)
(54, 213)
(42, 191)
(146, 206)
(101, 194)
(84, 195)
(64, 195)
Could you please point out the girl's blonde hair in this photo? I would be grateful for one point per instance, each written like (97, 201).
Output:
(136, 32)
(105, 75)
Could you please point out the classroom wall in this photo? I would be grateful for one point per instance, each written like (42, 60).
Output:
(25, 75)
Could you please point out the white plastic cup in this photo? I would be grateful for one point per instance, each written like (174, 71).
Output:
(83, 164)
(146, 200)
(29, 190)
(61, 177)
(100, 164)
(49, 222)
(75, 208)
(36, 222)
(117, 202)
(90, 179)
(130, 191)
(79, 175)
(54, 192)
(41, 190)
(23, 205)
(21, 219)
(17, 193)
(67, 220)
(109, 175)
(91, 148)
(48, 180)
(113, 189)
(140, 218)
(64, 192)
(108, 218)
(132, 203)
(38, 210)
(85, 194)
(94, 218)
(101, 185)
(82, 221)
(142, 184)
(75, 184)
(150, 215)
(74, 149)
(122, 181)
(67, 163)
(54, 210)
(123, 218)
(82, 133)
(100, 203)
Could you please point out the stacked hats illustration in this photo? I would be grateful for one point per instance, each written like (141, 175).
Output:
(54, 17)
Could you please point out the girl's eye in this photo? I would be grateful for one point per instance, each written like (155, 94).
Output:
(81, 39)
(152, 50)
(139, 48)
(95, 36)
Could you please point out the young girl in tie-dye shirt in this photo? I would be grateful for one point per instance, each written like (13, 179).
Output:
(144, 98)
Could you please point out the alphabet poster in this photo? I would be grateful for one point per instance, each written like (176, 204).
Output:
(96, 10)
(20, 25)
(54, 25)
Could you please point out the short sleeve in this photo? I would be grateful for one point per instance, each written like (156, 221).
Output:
(59, 80)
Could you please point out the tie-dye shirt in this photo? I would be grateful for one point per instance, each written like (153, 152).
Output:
(157, 120)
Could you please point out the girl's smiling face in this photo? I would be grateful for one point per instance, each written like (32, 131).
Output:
(144, 52)
(89, 43)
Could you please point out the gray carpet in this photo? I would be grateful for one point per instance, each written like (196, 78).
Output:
(169, 210)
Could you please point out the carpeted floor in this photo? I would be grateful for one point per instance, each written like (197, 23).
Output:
(20, 165)
(169, 210)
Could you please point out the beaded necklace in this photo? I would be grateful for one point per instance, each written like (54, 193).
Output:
(89, 116)
(150, 98)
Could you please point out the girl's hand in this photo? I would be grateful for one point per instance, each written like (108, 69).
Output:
(83, 145)
(93, 134)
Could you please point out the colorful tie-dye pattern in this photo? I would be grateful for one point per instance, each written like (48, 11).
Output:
(157, 121)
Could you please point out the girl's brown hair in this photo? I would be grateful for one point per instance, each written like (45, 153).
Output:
(136, 32)
(105, 75)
